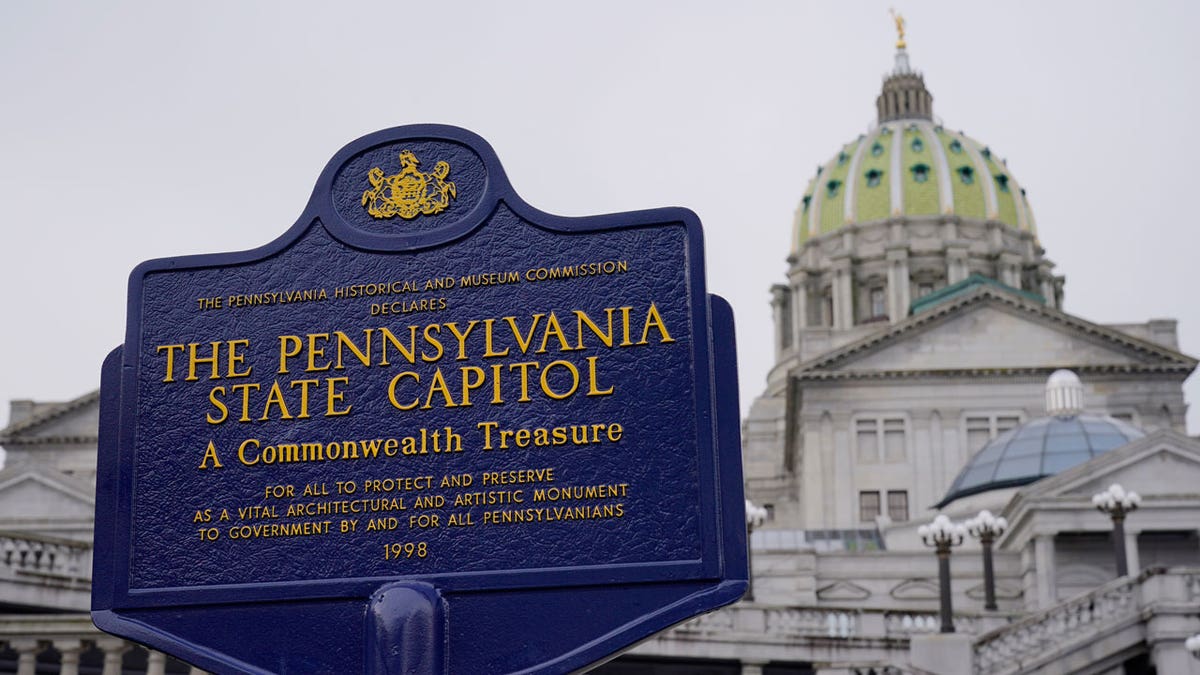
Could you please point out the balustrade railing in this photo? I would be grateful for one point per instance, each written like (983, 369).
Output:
(800, 622)
(1051, 629)
(35, 554)
(905, 624)
(795, 622)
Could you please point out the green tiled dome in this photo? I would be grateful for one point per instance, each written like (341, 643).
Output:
(910, 167)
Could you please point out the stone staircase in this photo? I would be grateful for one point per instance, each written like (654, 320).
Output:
(1151, 613)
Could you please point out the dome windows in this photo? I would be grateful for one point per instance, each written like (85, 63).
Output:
(807, 200)
(1002, 182)
(831, 188)
(917, 145)
(877, 149)
(956, 147)
(874, 176)
(920, 172)
(986, 152)
(966, 174)
(842, 157)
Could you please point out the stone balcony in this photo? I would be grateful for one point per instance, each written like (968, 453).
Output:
(47, 573)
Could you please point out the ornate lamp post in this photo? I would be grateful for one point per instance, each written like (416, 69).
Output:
(1116, 502)
(755, 517)
(987, 528)
(942, 535)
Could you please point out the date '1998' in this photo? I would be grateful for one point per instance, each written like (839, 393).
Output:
(406, 549)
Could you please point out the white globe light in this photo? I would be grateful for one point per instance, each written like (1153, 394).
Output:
(1193, 644)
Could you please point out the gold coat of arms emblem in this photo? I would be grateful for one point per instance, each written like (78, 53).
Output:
(410, 192)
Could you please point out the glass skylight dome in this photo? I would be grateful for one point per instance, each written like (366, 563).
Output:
(1043, 447)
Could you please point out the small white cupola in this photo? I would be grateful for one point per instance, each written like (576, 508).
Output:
(1064, 394)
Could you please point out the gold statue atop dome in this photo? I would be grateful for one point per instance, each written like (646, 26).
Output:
(899, 19)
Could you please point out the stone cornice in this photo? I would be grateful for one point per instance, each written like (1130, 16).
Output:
(1030, 372)
(49, 440)
(988, 294)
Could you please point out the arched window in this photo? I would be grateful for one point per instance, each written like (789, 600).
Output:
(966, 174)
(874, 176)
(807, 200)
(956, 147)
(877, 149)
(831, 188)
(920, 172)
(917, 145)
(1002, 182)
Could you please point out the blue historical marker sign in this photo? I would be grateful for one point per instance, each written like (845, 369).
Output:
(428, 430)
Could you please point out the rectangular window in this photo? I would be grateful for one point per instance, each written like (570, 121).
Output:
(878, 305)
(983, 428)
(1003, 424)
(897, 503)
(867, 437)
(893, 440)
(880, 439)
(868, 506)
(979, 432)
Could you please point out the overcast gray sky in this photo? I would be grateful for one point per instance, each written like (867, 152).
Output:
(136, 130)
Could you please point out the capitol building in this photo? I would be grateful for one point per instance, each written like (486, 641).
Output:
(924, 366)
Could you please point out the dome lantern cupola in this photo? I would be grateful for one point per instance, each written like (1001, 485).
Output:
(1064, 394)
(904, 94)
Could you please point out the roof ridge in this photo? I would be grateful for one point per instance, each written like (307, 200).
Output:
(55, 411)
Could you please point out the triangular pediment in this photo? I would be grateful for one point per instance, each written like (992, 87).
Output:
(1004, 591)
(33, 495)
(916, 589)
(843, 590)
(995, 331)
(74, 421)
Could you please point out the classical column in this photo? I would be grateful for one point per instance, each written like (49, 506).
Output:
(70, 651)
(899, 291)
(1046, 277)
(779, 308)
(956, 262)
(843, 293)
(27, 650)
(1010, 270)
(156, 663)
(1044, 560)
(799, 306)
(1132, 559)
(114, 650)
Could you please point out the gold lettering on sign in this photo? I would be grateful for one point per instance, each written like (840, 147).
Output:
(411, 192)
